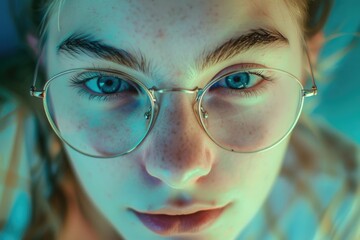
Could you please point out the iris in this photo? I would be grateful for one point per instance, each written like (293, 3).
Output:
(109, 84)
(237, 81)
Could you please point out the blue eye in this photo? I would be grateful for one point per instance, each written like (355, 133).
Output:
(104, 86)
(238, 81)
(107, 85)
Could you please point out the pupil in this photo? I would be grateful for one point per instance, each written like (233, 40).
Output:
(236, 79)
(108, 83)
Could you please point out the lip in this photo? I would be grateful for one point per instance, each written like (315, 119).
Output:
(167, 222)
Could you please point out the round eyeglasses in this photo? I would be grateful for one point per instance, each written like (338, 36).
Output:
(106, 113)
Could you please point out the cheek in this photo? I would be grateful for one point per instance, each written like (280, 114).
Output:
(247, 181)
(106, 181)
(246, 177)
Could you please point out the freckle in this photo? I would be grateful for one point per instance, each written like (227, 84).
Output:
(163, 158)
(160, 34)
(177, 74)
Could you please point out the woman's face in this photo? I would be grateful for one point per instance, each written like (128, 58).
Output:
(177, 170)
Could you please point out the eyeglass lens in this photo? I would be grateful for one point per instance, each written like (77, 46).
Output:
(250, 111)
(101, 114)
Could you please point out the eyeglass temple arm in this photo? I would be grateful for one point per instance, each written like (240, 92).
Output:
(33, 91)
(314, 89)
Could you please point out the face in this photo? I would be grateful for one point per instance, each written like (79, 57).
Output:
(178, 184)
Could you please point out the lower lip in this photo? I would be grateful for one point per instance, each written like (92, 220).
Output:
(179, 224)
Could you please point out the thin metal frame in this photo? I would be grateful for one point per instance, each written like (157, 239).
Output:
(151, 93)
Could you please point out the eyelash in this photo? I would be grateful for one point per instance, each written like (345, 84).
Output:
(78, 81)
(251, 92)
(255, 91)
(260, 87)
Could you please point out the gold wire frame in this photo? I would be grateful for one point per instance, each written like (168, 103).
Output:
(153, 113)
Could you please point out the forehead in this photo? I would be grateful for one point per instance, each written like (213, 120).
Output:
(173, 30)
(186, 17)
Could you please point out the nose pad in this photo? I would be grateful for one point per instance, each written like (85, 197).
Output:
(177, 150)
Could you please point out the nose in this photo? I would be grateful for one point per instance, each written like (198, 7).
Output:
(177, 149)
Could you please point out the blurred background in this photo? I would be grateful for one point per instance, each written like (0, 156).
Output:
(338, 102)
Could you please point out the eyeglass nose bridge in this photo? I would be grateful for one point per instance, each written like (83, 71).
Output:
(197, 109)
(197, 91)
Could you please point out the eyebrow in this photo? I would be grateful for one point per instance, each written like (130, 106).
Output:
(254, 38)
(78, 44)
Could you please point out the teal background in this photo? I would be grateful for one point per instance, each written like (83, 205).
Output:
(339, 93)
(338, 102)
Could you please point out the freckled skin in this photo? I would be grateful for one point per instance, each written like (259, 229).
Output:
(177, 159)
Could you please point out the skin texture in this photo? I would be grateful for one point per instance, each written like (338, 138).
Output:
(177, 165)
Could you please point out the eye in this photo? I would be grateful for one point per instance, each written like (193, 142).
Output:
(107, 84)
(239, 80)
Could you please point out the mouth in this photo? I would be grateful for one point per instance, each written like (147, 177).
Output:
(176, 224)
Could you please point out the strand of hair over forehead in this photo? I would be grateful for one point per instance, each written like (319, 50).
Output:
(52, 7)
